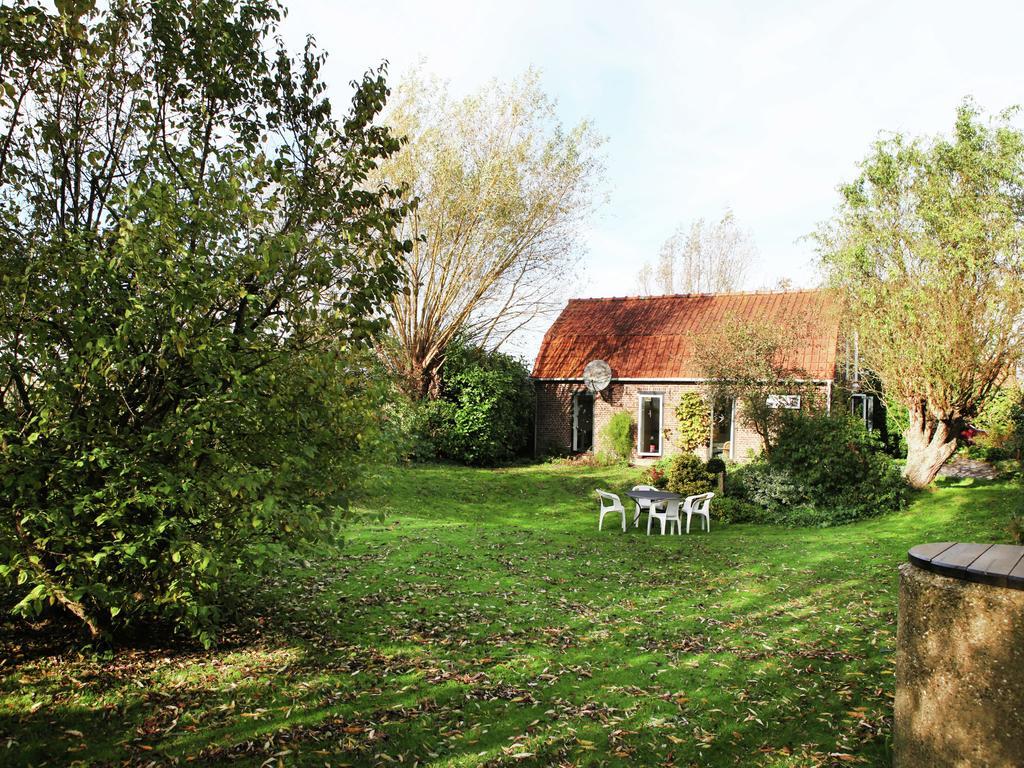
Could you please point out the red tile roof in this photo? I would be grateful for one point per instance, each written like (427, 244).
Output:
(651, 337)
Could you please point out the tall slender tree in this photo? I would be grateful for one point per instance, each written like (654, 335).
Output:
(706, 257)
(503, 189)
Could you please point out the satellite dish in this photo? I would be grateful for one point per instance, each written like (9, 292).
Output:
(597, 375)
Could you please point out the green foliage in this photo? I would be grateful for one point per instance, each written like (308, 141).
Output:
(731, 509)
(1002, 419)
(688, 475)
(617, 434)
(928, 248)
(657, 474)
(490, 413)
(483, 416)
(825, 470)
(1016, 528)
(191, 269)
(897, 419)
(463, 542)
(715, 466)
(693, 421)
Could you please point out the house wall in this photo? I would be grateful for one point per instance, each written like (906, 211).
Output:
(554, 417)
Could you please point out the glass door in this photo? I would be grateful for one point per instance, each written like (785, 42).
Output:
(721, 427)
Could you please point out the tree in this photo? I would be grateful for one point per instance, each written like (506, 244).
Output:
(191, 261)
(928, 245)
(503, 189)
(706, 258)
(752, 363)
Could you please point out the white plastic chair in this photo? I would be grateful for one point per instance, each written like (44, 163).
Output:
(645, 504)
(699, 505)
(613, 505)
(666, 516)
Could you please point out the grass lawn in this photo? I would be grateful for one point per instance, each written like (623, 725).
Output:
(486, 621)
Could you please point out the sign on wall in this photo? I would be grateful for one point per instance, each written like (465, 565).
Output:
(792, 402)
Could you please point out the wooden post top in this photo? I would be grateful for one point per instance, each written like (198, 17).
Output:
(1001, 565)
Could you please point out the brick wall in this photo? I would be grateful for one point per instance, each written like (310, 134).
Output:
(554, 417)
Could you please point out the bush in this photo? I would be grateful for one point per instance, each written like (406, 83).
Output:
(838, 467)
(617, 435)
(484, 415)
(715, 466)
(657, 474)
(688, 475)
(825, 470)
(729, 509)
(1016, 528)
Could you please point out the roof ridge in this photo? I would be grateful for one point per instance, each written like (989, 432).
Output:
(781, 292)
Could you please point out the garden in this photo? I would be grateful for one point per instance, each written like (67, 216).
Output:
(484, 620)
(268, 491)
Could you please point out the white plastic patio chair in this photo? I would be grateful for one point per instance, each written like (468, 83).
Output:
(666, 516)
(699, 505)
(645, 504)
(613, 505)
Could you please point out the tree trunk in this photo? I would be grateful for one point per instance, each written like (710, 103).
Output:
(930, 442)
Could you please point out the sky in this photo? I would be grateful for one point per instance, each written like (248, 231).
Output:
(764, 107)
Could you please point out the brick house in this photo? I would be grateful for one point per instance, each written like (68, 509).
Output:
(647, 342)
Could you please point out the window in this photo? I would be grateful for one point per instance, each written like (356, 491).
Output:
(648, 432)
(863, 408)
(723, 412)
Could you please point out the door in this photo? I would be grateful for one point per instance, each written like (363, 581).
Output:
(722, 414)
(582, 422)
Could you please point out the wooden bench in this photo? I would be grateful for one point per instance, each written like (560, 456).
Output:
(1001, 565)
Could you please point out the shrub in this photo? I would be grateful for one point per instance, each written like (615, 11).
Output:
(998, 417)
(484, 415)
(617, 434)
(715, 466)
(693, 421)
(838, 467)
(825, 470)
(688, 475)
(657, 474)
(729, 509)
(1016, 528)
(769, 487)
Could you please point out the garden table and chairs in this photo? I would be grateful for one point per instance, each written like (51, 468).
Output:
(664, 506)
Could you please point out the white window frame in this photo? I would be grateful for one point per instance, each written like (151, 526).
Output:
(639, 422)
(732, 431)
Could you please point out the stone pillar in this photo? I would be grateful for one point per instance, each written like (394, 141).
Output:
(959, 673)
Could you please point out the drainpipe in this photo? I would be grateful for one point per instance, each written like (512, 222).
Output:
(856, 361)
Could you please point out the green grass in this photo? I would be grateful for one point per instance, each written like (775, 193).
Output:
(486, 621)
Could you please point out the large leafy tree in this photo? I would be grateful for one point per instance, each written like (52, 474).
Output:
(928, 244)
(503, 191)
(191, 264)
